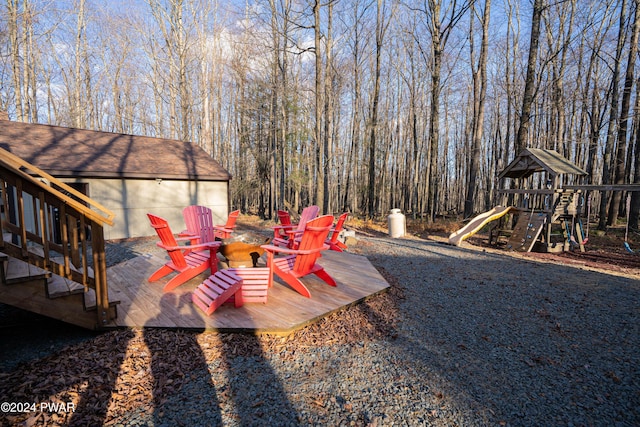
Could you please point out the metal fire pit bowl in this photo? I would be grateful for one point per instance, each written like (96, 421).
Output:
(243, 249)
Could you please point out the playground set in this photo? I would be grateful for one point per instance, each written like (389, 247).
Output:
(535, 212)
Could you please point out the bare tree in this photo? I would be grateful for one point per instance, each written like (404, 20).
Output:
(317, 132)
(328, 110)
(634, 214)
(613, 117)
(530, 80)
(479, 95)
(558, 39)
(440, 25)
(280, 20)
(382, 23)
(20, 45)
(12, 8)
(591, 93)
(77, 108)
(358, 42)
(623, 144)
(170, 21)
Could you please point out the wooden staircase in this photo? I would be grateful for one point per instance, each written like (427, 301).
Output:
(52, 254)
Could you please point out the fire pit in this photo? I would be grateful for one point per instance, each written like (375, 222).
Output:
(243, 249)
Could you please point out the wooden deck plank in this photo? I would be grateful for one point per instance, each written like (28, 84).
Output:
(144, 304)
(144, 299)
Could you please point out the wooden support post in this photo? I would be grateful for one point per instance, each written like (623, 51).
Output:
(100, 272)
(566, 244)
(579, 236)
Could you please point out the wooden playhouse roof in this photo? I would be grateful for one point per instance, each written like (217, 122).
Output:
(69, 152)
(532, 160)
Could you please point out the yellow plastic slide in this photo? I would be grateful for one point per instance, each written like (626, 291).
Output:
(477, 223)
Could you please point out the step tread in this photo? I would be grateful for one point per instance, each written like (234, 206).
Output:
(18, 271)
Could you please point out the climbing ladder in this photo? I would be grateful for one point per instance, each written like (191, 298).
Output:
(526, 231)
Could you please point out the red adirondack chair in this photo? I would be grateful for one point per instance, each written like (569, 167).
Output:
(224, 231)
(333, 242)
(284, 219)
(199, 222)
(293, 231)
(284, 223)
(187, 261)
(302, 261)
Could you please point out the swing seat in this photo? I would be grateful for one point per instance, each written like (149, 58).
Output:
(626, 230)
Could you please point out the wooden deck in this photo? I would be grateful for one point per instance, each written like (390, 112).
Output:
(143, 304)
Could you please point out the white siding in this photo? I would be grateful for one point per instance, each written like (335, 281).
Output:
(131, 200)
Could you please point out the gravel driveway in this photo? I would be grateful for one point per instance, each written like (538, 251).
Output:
(480, 339)
(494, 340)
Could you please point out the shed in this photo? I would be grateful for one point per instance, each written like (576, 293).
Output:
(130, 175)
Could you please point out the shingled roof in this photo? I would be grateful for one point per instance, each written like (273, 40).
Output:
(533, 160)
(68, 152)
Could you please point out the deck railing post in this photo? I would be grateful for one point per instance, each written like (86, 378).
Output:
(77, 224)
(100, 274)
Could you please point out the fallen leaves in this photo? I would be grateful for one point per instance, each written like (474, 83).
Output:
(127, 370)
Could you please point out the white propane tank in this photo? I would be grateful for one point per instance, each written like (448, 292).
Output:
(397, 224)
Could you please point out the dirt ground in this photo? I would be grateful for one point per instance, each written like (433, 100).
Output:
(604, 250)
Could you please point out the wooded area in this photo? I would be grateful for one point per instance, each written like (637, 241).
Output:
(359, 105)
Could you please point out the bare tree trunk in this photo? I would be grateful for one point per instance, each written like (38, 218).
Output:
(29, 68)
(350, 203)
(77, 108)
(479, 94)
(284, 69)
(317, 134)
(328, 110)
(274, 112)
(619, 172)
(14, 29)
(380, 32)
(596, 112)
(558, 41)
(503, 156)
(440, 31)
(635, 196)
(613, 119)
(183, 85)
(434, 123)
(90, 119)
(529, 88)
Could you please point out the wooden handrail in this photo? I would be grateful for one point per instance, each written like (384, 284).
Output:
(55, 223)
(102, 215)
